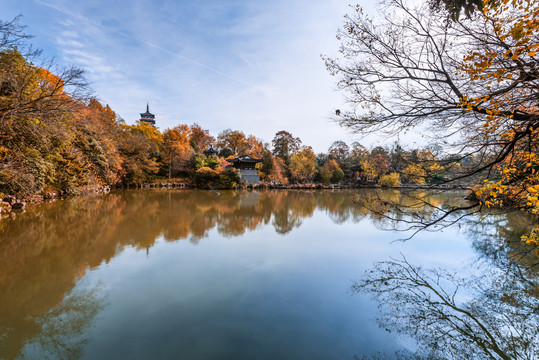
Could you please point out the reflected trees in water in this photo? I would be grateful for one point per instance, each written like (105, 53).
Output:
(491, 312)
(450, 316)
(45, 252)
(64, 330)
(461, 316)
(413, 211)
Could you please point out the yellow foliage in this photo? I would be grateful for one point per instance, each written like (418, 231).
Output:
(303, 164)
(414, 174)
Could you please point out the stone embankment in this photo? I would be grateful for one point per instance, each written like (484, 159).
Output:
(161, 185)
(10, 203)
(301, 186)
(357, 186)
(261, 186)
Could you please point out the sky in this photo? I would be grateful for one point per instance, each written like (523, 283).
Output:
(253, 66)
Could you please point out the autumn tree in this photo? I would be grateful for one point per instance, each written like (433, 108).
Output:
(140, 148)
(255, 147)
(358, 154)
(285, 145)
(368, 172)
(96, 130)
(450, 78)
(303, 165)
(272, 169)
(39, 137)
(177, 148)
(430, 165)
(339, 150)
(414, 174)
(469, 84)
(331, 172)
(199, 138)
(233, 140)
(379, 158)
(268, 164)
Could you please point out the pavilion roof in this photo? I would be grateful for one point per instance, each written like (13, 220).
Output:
(244, 158)
(210, 151)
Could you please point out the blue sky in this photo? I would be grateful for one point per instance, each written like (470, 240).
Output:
(251, 65)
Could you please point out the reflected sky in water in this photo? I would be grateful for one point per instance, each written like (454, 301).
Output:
(196, 275)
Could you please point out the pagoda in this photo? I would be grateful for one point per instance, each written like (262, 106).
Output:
(210, 151)
(147, 117)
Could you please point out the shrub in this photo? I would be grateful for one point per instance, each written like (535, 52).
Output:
(229, 179)
(205, 175)
(202, 161)
(390, 180)
(225, 182)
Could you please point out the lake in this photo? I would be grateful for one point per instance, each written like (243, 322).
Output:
(190, 274)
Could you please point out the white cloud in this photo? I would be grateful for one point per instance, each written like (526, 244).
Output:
(69, 43)
(69, 34)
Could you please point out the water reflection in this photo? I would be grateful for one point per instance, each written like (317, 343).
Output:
(45, 253)
(64, 329)
(491, 311)
(413, 211)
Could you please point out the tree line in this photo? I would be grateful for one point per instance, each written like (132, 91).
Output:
(55, 135)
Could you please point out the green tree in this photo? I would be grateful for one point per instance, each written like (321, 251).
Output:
(229, 178)
(202, 160)
(455, 7)
(398, 157)
(206, 176)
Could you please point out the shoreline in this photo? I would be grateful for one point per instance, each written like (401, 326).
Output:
(10, 203)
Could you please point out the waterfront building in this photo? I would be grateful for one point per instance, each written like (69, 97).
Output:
(247, 167)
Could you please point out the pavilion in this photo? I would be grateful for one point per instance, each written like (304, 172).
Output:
(247, 167)
(210, 151)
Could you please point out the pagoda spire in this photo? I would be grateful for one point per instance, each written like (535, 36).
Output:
(147, 117)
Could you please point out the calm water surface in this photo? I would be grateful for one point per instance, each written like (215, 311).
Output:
(203, 275)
